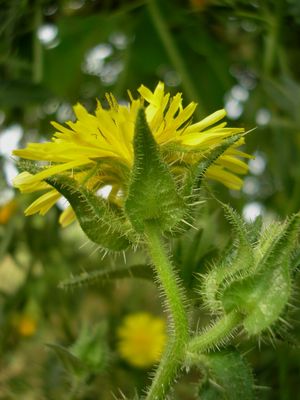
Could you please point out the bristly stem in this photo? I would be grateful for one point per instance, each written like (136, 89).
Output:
(178, 320)
(174, 55)
(214, 336)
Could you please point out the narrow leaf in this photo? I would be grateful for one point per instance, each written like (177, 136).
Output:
(71, 363)
(91, 347)
(105, 275)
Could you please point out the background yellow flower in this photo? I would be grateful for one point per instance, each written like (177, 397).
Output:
(6, 211)
(27, 326)
(142, 338)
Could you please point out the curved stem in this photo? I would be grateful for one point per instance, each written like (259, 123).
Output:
(178, 321)
(214, 336)
(174, 55)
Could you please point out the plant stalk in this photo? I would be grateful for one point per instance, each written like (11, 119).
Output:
(214, 336)
(178, 320)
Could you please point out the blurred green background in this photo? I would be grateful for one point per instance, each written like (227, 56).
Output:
(241, 55)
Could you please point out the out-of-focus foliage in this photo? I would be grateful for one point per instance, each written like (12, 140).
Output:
(243, 55)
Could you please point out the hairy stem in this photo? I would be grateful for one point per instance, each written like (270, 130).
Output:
(213, 336)
(174, 55)
(178, 320)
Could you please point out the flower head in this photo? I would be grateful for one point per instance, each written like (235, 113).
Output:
(97, 150)
(142, 338)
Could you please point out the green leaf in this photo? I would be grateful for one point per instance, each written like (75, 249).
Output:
(107, 274)
(102, 223)
(228, 377)
(91, 347)
(71, 362)
(152, 193)
(89, 354)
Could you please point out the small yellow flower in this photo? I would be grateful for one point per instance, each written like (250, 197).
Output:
(6, 211)
(98, 149)
(26, 326)
(142, 338)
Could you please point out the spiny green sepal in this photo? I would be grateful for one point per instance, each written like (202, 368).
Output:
(197, 171)
(262, 298)
(152, 194)
(103, 223)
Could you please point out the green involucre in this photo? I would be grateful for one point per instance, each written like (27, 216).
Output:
(102, 222)
(152, 195)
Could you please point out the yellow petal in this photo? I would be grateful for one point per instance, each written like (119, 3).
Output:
(152, 98)
(43, 204)
(210, 120)
(55, 170)
(21, 182)
(227, 178)
(67, 217)
(233, 164)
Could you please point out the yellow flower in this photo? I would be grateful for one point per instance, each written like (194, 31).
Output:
(6, 211)
(98, 149)
(26, 326)
(142, 338)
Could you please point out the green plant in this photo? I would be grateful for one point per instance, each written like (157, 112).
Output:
(153, 197)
